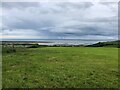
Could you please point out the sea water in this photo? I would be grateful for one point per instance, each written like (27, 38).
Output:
(65, 41)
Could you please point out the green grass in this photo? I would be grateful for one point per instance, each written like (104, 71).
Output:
(50, 67)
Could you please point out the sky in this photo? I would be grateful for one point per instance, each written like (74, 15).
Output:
(59, 20)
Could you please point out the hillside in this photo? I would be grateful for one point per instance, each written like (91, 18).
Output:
(106, 44)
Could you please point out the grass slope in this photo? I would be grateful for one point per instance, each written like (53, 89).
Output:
(106, 44)
(79, 67)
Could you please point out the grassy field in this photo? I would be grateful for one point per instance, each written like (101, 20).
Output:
(49, 67)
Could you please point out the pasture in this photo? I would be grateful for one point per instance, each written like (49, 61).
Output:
(60, 67)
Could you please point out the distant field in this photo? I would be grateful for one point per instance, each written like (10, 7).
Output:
(49, 67)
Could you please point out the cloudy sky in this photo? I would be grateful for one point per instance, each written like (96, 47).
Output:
(59, 20)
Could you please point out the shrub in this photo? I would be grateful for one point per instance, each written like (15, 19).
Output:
(10, 50)
(34, 46)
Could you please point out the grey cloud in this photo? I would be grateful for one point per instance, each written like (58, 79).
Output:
(56, 20)
(108, 3)
(79, 5)
(23, 5)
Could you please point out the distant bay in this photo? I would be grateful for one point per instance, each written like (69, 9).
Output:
(64, 41)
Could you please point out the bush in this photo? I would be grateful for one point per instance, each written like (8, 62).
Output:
(34, 46)
(10, 50)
